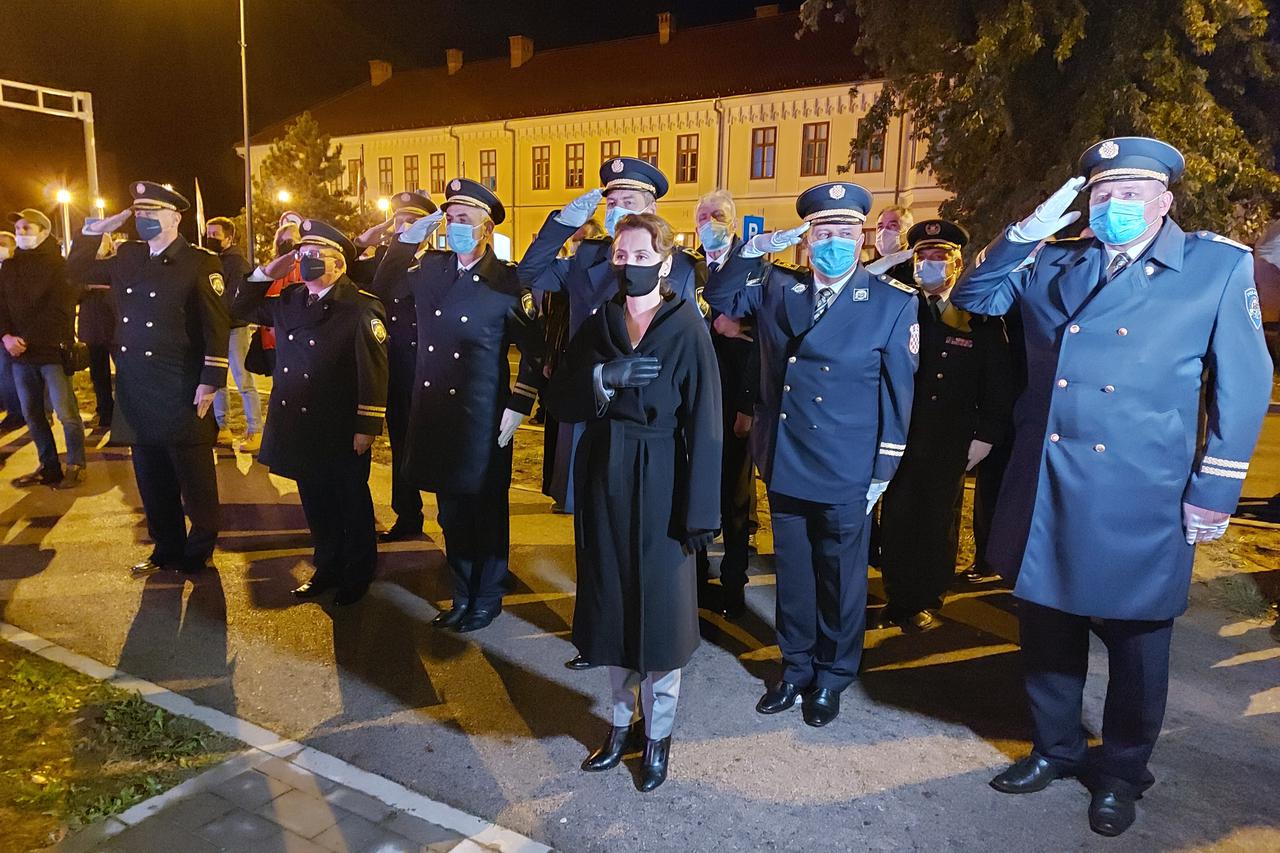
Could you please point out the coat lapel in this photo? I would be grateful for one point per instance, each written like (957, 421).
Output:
(1165, 252)
(797, 304)
(843, 310)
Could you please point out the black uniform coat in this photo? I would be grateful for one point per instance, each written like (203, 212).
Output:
(330, 380)
(466, 325)
(964, 391)
(172, 336)
(647, 472)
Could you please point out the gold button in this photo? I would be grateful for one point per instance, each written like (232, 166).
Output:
(1074, 329)
(1062, 383)
(1122, 331)
(1099, 447)
(1055, 437)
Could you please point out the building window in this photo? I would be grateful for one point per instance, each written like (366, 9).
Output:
(687, 158)
(813, 151)
(385, 179)
(871, 155)
(353, 177)
(437, 174)
(648, 150)
(489, 168)
(688, 239)
(609, 149)
(575, 157)
(542, 167)
(411, 172)
(764, 149)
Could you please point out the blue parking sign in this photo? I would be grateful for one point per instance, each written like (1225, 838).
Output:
(751, 226)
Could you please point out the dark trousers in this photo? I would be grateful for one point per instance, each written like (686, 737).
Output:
(822, 589)
(406, 500)
(1055, 653)
(339, 511)
(987, 479)
(920, 532)
(737, 503)
(100, 376)
(173, 480)
(477, 540)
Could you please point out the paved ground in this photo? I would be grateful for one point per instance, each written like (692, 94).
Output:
(494, 725)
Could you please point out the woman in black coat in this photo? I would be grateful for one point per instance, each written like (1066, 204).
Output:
(642, 375)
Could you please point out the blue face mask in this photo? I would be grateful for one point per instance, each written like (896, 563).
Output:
(714, 235)
(834, 256)
(148, 229)
(931, 274)
(1118, 221)
(462, 237)
(613, 216)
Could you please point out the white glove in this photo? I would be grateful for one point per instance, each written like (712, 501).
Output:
(874, 492)
(1051, 216)
(511, 421)
(886, 263)
(1203, 525)
(978, 451)
(576, 213)
(418, 231)
(773, 241)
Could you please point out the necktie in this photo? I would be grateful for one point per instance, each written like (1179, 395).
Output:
(1118, 263)
(933, 306)
(824, 299)
(312, 299)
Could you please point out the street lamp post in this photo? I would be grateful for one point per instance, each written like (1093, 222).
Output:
(64, 200)
(248, 164)
(101, 204)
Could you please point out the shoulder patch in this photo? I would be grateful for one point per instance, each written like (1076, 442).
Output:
(526, 305)
(379, 330)
(1253, 307)
(1218, 238)
(215, 281)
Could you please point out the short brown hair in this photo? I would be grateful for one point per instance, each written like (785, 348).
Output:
(664, 239)
(227, 225)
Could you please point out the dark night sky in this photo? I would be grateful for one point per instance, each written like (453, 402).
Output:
(165, 73)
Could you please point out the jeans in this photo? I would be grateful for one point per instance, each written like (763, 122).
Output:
(9, 400)
(33, 381)
(237, 349)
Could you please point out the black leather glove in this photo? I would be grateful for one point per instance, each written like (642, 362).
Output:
(698, 540)
(633, 371)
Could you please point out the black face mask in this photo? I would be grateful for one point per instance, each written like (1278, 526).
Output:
(283, 247)
(215, 244)
(637, 281)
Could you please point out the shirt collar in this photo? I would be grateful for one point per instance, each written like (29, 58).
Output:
(322, 294)
(837, 286)
(1133, 252)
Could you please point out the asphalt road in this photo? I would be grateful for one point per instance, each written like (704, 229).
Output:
(493, 724)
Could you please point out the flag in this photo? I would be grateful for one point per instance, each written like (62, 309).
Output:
(363, 185)
(199, 215)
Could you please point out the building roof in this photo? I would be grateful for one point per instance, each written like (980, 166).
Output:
(735, 58)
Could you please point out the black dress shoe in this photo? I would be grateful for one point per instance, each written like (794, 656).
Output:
(653, 771)
(579, 663)
(1110, 813)
(974, 577)
(451, 618)
(779, 697)
(145, 568)
(314, 588)
(1028, 776)
(918, 622)
(733, 603)
(349, 595)
(400, 532)
(608, 755)
(821, 706)
(476, 619)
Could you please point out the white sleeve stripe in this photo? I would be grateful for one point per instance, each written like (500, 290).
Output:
(884, 452)
(1225, 463)
(1222, 472)
(892, 446)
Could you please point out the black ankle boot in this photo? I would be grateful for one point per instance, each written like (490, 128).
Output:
(610, 753)
(656, 753)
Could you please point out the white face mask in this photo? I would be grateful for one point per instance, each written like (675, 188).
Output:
(27, 241)
(887, 241)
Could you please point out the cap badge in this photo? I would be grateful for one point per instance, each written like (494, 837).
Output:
(1108, 150)
(933, 229)
(306, 226)
(456, 185)
(836, 192)
(139, 188)
(617, 166)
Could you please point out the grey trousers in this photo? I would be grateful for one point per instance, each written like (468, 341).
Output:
(659, 693)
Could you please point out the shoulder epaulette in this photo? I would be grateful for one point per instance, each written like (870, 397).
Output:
(1068, 241)
(1218, 238)
(364, 292)
(203, 249)
(893, 282)
(785, 265)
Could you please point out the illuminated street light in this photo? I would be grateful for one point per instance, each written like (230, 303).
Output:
(101, 204)
(63, 197)
(284, 196)
(384, 204)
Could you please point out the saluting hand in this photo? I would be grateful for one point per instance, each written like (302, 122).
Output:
(373, 236)
(418, 231)
(281, 266)
(96, 227)
(576, 213)
(1051, 216)
(204, 399)
(361, 443)
(769, 242)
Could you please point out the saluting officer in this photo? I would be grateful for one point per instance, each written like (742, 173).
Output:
(171, 358)
(1110, 487)
(962, 400)
(838, 351)
(328, 399)
(470, 309)
(402, 353)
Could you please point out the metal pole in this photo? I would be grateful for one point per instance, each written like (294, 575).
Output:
(66, 228)
(248, 163)
(90, 144)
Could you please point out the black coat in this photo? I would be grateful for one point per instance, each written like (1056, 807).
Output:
(647, 473)
(235, 269)
(37, 303)
(964, 391)
(330, 379)
(172, 336)
(465, 327)
(96, 323)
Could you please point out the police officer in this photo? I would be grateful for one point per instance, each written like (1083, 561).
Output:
(1110, 487)
(470, 309)
(171, 358)
(328, 400)
(402, 350)
(838, 351)
(962, 400)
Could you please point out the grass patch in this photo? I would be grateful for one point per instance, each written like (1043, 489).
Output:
(1240, 594)
(74, 750)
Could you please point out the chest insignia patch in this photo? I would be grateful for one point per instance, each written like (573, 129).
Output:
(799, 288)
(861, 294)
(959, 342)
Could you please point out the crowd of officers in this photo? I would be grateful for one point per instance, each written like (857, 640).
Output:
(669, 376)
